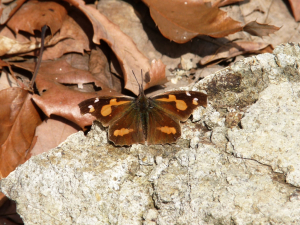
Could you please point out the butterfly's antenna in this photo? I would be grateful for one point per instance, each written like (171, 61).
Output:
(137, 82)
(142, 80)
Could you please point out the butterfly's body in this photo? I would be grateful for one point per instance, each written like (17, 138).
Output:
(154, 120)
(142, 107)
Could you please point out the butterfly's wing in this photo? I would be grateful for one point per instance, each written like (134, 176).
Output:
(125, 127)
(179, 104)
(106, 109)
(127, 130)
(167, 110)
(161, 127)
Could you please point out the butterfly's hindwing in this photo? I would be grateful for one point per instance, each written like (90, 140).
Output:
(127, 130)
(107, 109)
(179, 104)
(161, 127)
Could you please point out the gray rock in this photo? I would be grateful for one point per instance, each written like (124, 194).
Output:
(271, 130)
(238, 164)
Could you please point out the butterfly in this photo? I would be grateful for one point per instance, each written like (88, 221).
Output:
(155, 120)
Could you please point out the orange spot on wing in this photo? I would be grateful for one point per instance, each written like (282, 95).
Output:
(180, 104)
(122, 132)
(106, 109)
(167, 130)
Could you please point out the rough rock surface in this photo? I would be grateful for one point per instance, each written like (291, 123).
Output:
(237, 164)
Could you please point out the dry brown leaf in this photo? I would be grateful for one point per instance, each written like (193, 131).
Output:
(230, 50)
(258, 29)
(99, 67)
(38, 14)
(76, 27)
(7, 80)
(295, 5)
(20, 37)
(19, 119)
(9, 46)
(180, 21)
(59, 128)
(72, 37)
(59, 72)
(129, 57)
(58, 99)
(156, 70)
(9, 9)
(221, 3)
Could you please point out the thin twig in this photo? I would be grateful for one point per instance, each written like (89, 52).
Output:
(40, 57)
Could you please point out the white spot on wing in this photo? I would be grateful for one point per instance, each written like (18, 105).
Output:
(96, 100)
(188, 93)
(195, 101)
(92, 109)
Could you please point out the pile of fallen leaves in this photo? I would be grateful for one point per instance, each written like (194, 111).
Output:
(86, 55)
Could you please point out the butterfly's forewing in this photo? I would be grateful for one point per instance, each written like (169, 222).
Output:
(127, 130)
(161, 127)
(107, 109)
(179, 104)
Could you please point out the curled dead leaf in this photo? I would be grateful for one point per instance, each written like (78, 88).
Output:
(38, 14)
(156, 73)
(18, 121)
(259, 29)
(233, 49)
(126, 51)
(180, 21)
